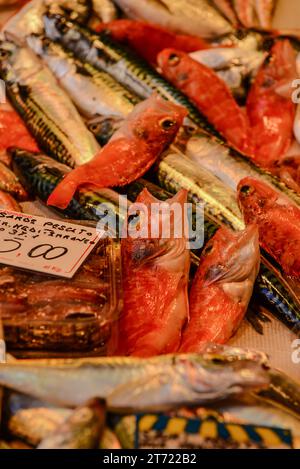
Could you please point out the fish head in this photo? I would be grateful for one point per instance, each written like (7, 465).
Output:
(221, 375)
(231, 260)
(156, 121)
(175, 64)
(255, 197)
(18, 63)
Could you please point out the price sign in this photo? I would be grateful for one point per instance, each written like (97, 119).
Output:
(44, 245)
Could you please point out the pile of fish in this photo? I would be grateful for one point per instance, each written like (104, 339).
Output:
(203, 113)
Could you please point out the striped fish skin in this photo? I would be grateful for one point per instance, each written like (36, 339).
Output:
(230, 166)
(101, 51)
(41, 174)
(46, 109)
(94, 93)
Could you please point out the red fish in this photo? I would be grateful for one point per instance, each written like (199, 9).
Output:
(13, 131)
(272, 115)
(149, 39)
(155, 281)
(144, 135)
(222, 288)
(278, 220)
(209, 93)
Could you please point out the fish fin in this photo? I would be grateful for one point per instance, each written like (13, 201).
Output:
(63, 193)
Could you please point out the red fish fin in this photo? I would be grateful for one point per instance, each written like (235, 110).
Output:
(64, 192)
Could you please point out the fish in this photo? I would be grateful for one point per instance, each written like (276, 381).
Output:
(234, 65)
(146, 133)
(106, 54)
(47, 111)
(82, 430)
(136, 35)
(230, 167)
(33, 425)
(272, 116)
(13, 129)
(174, 171)
(155, 281)
(134, 383)
(10, 183)
(41, 174)
(196, 17)
(7, 202)
(29, 20)
(278, 220)
(222, 288)
(105, 10)
(209, 93)
(94, 93)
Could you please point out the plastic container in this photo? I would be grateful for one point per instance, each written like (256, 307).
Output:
(49, 316)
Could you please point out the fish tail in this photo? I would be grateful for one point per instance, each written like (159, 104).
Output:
(64, 192)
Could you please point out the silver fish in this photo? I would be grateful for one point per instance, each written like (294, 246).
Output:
(196, 17)
(95, 94)
(229, 168)
(133, 383)
(35, 94)
(29, 20)
(82, 430)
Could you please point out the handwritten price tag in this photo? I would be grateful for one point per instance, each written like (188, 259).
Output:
(44, 245)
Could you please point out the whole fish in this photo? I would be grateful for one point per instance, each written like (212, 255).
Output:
(46, 109)
(229, 166)
(7, 202)
(222, 288)
(94, 93)
(105, 10)
(196, 17)
(155, 282)
(271, 115)
(134, 383)
(101, 51)
(278, 220)
(136, 35)
(29, 20)
(209, 93)
(82, 430)
(13, 129)
(33, 425)
(146, 133)
(41, 174)
(10, 183)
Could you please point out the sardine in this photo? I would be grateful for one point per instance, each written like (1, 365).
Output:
(94, 93)
(196, 17)
(105, 54)
(81, 430)
(10, 183)
(132, 383)
(47, 110)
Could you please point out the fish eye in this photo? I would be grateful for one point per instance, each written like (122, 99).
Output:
(246, 190)
(174, 59)
(167, 123)
(94, 127)
(3, 53)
